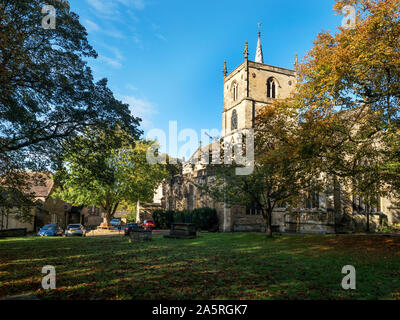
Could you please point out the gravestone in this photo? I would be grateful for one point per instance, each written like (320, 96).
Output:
(182, 231)
(138, 235)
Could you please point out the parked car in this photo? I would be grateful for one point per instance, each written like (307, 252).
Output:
(129, 227)
(149, 224)
(115, 222)
(50, 230)
(75, 230)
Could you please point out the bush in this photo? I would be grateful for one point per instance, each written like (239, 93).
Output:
(203, 219)
(179, 217)
(163, 219)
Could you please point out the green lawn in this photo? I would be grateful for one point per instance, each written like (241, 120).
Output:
(214, 266)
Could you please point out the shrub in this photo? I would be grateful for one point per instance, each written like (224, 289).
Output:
(179, 217)
(203, 219)
(163, 219)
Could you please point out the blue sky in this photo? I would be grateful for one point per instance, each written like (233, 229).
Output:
(165, 57)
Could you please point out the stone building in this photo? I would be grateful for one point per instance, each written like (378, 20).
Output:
(44, 209)
(247, 89)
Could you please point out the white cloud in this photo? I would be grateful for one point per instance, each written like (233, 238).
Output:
(94, 27)
(139, 4)
(114, 33)
(141, 108)
(104, 7)
(131, 87)
(117, 53)
(110, 55)
(161, 37)
(91, 26)
(136, 38)
(110, 61)
(111, 7)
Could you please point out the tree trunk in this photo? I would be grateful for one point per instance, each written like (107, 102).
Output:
(336, 204)
(368, 230)
(109, 215)
(268, 223)
(106, 220)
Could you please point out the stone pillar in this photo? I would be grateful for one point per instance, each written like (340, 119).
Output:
(138, 212)
(227, 219)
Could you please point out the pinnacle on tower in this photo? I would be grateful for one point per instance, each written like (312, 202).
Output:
(259, 52)
(225, 71)
(246, 50)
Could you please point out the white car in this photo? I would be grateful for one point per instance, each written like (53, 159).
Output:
(75, 230)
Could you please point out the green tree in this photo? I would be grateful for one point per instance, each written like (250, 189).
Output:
(47, 90)
(107, 168)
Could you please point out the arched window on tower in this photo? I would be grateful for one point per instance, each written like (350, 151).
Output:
(235, 91)
(234, 120)
(271, 88)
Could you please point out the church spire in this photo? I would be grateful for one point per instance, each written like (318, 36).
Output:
(259, 53)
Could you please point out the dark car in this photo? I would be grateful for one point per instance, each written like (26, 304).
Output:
(50, 230)
(149, 224)
(129, 227)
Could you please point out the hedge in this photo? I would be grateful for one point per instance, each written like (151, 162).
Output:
(203, 219)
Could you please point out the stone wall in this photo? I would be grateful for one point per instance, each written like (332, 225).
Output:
(12, 221)
(309, 222)
(259, 75)
(93, 216)
(391, 210)
(55, 211)
(358, 222)
(146, 211)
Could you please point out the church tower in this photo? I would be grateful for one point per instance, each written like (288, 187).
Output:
(251, 86)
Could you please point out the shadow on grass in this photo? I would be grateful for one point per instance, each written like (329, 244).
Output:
(214, 266)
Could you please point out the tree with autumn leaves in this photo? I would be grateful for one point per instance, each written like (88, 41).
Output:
(348, 101)
(275, 179)
(341, 123)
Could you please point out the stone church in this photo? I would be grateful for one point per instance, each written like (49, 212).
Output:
(247, 89)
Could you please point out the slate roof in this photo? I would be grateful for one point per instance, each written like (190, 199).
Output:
(38, 184)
